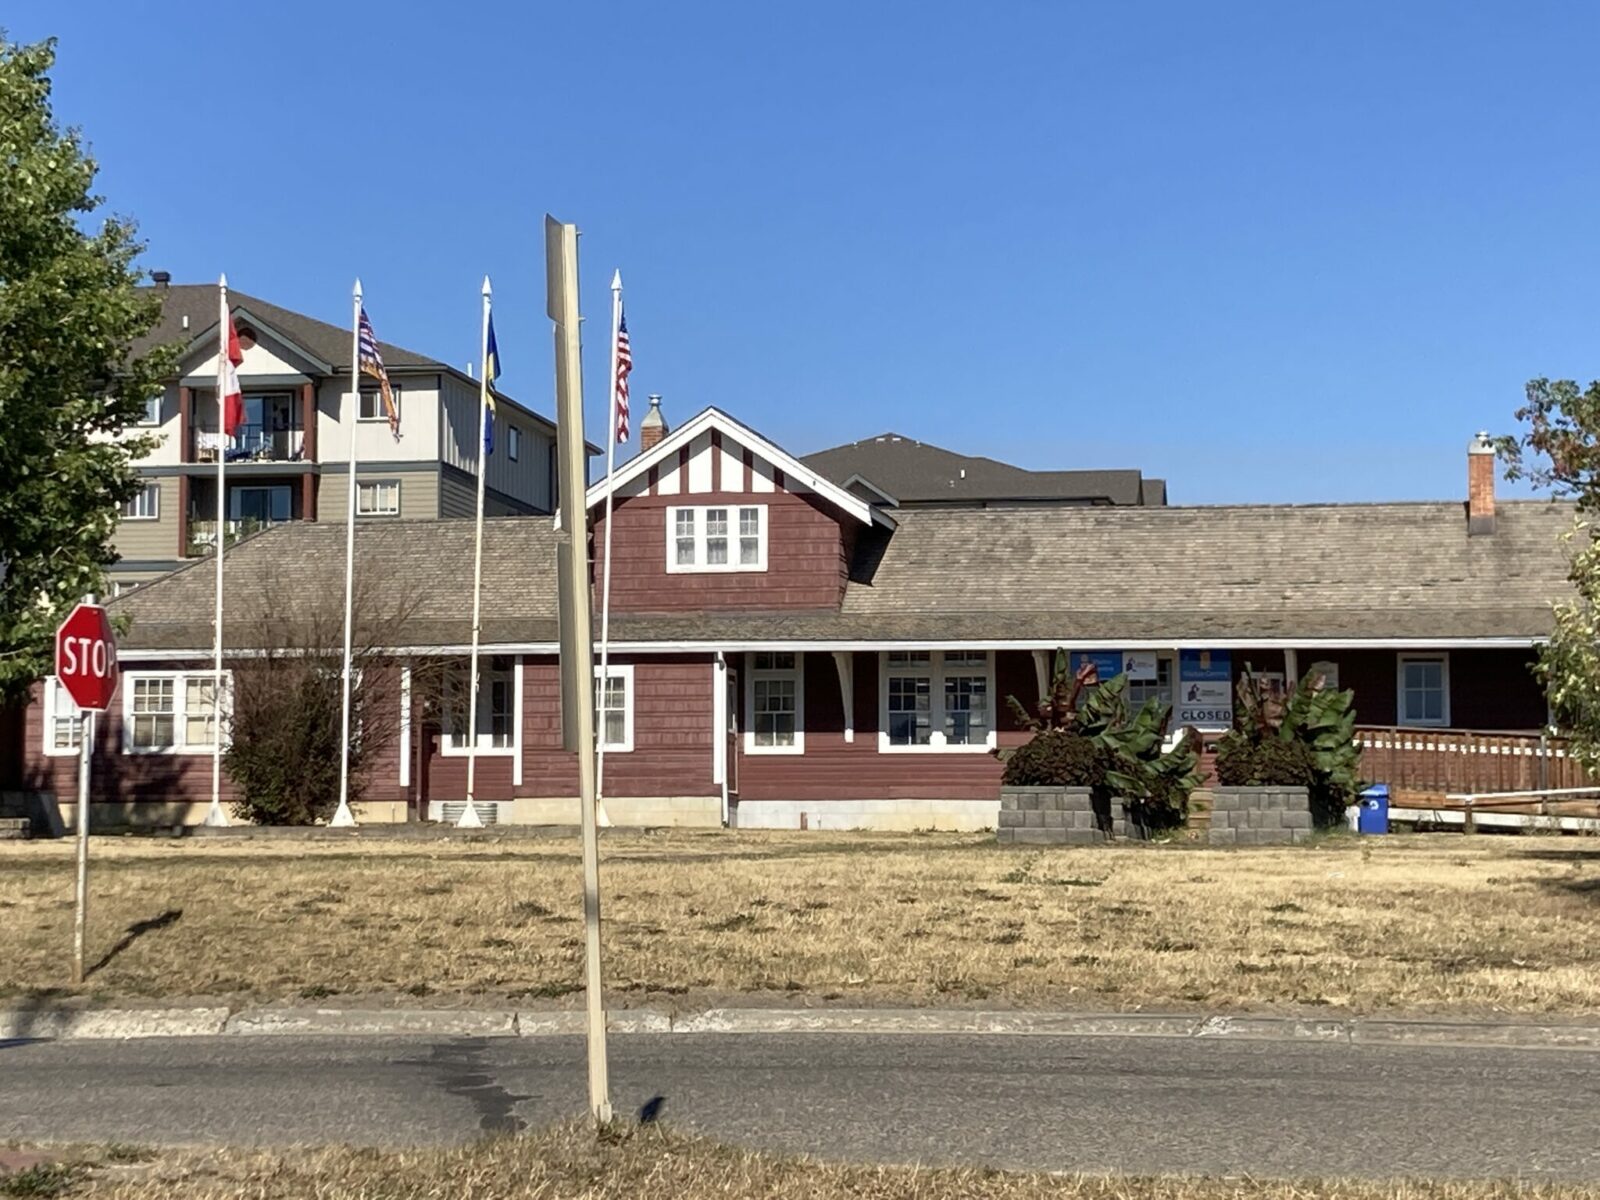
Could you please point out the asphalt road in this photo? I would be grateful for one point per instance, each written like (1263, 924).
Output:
(1267, 1108)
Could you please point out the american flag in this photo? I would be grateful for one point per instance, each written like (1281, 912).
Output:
(371, 363)
(624, 369)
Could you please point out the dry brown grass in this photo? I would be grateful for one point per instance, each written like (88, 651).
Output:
(570, 1164)
(1443, 924)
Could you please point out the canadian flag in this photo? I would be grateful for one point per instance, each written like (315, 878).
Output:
(232, 395)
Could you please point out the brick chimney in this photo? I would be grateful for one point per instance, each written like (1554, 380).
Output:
(654, 426)
(1480, 486)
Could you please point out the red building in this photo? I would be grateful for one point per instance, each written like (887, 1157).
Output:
(792, 642)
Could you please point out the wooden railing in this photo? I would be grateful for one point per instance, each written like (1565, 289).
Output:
(1430, 763)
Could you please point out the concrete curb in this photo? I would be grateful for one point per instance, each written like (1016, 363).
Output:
(79, 1023)
(112, 1023)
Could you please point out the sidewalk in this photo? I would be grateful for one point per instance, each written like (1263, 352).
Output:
(74, 1022)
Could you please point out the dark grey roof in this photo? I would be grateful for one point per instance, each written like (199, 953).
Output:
(330, 343)
(198, 302)
(1112, 575)
(914, 472)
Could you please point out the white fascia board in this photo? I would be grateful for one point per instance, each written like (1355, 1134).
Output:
(715, 418)
(823, 644)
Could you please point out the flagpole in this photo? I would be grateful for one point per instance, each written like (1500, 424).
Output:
(605, 586)
(342, 816)
(214, 815)
(469, 812)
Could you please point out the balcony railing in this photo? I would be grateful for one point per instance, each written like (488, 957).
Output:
(203, 534)
(250, 443)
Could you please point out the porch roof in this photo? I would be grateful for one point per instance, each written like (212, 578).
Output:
(1115, 577)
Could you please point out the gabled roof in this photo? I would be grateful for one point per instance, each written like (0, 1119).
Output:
(317, 341)
(714, 419)
(1108, 578)
(915, 472)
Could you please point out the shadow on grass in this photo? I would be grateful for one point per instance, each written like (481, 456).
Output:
(1578, 854)
(136, 931)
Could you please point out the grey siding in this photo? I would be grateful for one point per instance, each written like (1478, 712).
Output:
(145, 541)
(419, 494)
(526, 479)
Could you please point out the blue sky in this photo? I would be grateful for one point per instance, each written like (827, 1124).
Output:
(1269, 251)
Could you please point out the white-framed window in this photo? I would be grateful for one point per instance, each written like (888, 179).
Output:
(152, 410)
(613, 707)
(936, 700)
(371, 406)
(513, 442)
(499, 706)
(171, 712)
(1422, 684)
(143, 505)
(717, 537)
(775, 703)
(380, 498)
(63, 723)
(1140, 691)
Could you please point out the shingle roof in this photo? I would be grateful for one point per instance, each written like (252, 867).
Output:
(914, 472)
(198, 302)
(1114, 575)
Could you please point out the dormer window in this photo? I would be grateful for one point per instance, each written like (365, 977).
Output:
(717, 537)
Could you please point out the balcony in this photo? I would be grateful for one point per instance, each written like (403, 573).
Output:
(249, 444)
(203, 534)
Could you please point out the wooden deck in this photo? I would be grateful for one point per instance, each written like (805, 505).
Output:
(1423, 767)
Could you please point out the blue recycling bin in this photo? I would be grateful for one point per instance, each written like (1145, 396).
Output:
(1374, 814)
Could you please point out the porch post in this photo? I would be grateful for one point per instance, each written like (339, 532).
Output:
(1291, 670)
(1041, 671)
(844, 662)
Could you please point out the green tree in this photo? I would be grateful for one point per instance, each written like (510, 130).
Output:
(70, 310)
(1559, 451)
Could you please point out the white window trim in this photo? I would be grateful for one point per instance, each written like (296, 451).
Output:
(624, 672)
(148, 487)
(799, 677)
(180, 722)
(700, 566)
(374, 485)
(1400, 661)
(159, 400)
(446, 750)
(377, 393)
(513, 442)
(51, 687)
(934, 669)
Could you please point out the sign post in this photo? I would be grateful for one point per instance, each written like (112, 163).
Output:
(86, 666)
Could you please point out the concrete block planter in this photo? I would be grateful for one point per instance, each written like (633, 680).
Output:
(1259, 816)
(1050, 816)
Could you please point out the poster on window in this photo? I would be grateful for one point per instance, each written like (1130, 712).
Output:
(1107, 663)
(1329, 672)
(1140, 666)
(1205, 689)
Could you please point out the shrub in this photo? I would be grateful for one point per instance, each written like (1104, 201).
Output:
(1273, 763)
(1058, 758)
(1306, 740)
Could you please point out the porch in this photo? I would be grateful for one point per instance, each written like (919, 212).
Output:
(274, 430)
(1423, 768)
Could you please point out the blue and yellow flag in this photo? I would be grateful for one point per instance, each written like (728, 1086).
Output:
(491, 372)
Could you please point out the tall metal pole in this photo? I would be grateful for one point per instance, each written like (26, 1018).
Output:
(80, 916)
(577, 647)
(605, 586)
(214, 814)
(469, 812)
(342, 816)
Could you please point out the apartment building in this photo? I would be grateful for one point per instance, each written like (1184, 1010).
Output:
(289, 460)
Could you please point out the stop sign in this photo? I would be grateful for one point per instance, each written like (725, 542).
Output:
(86, 657)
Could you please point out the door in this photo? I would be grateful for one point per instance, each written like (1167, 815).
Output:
(734, 707)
